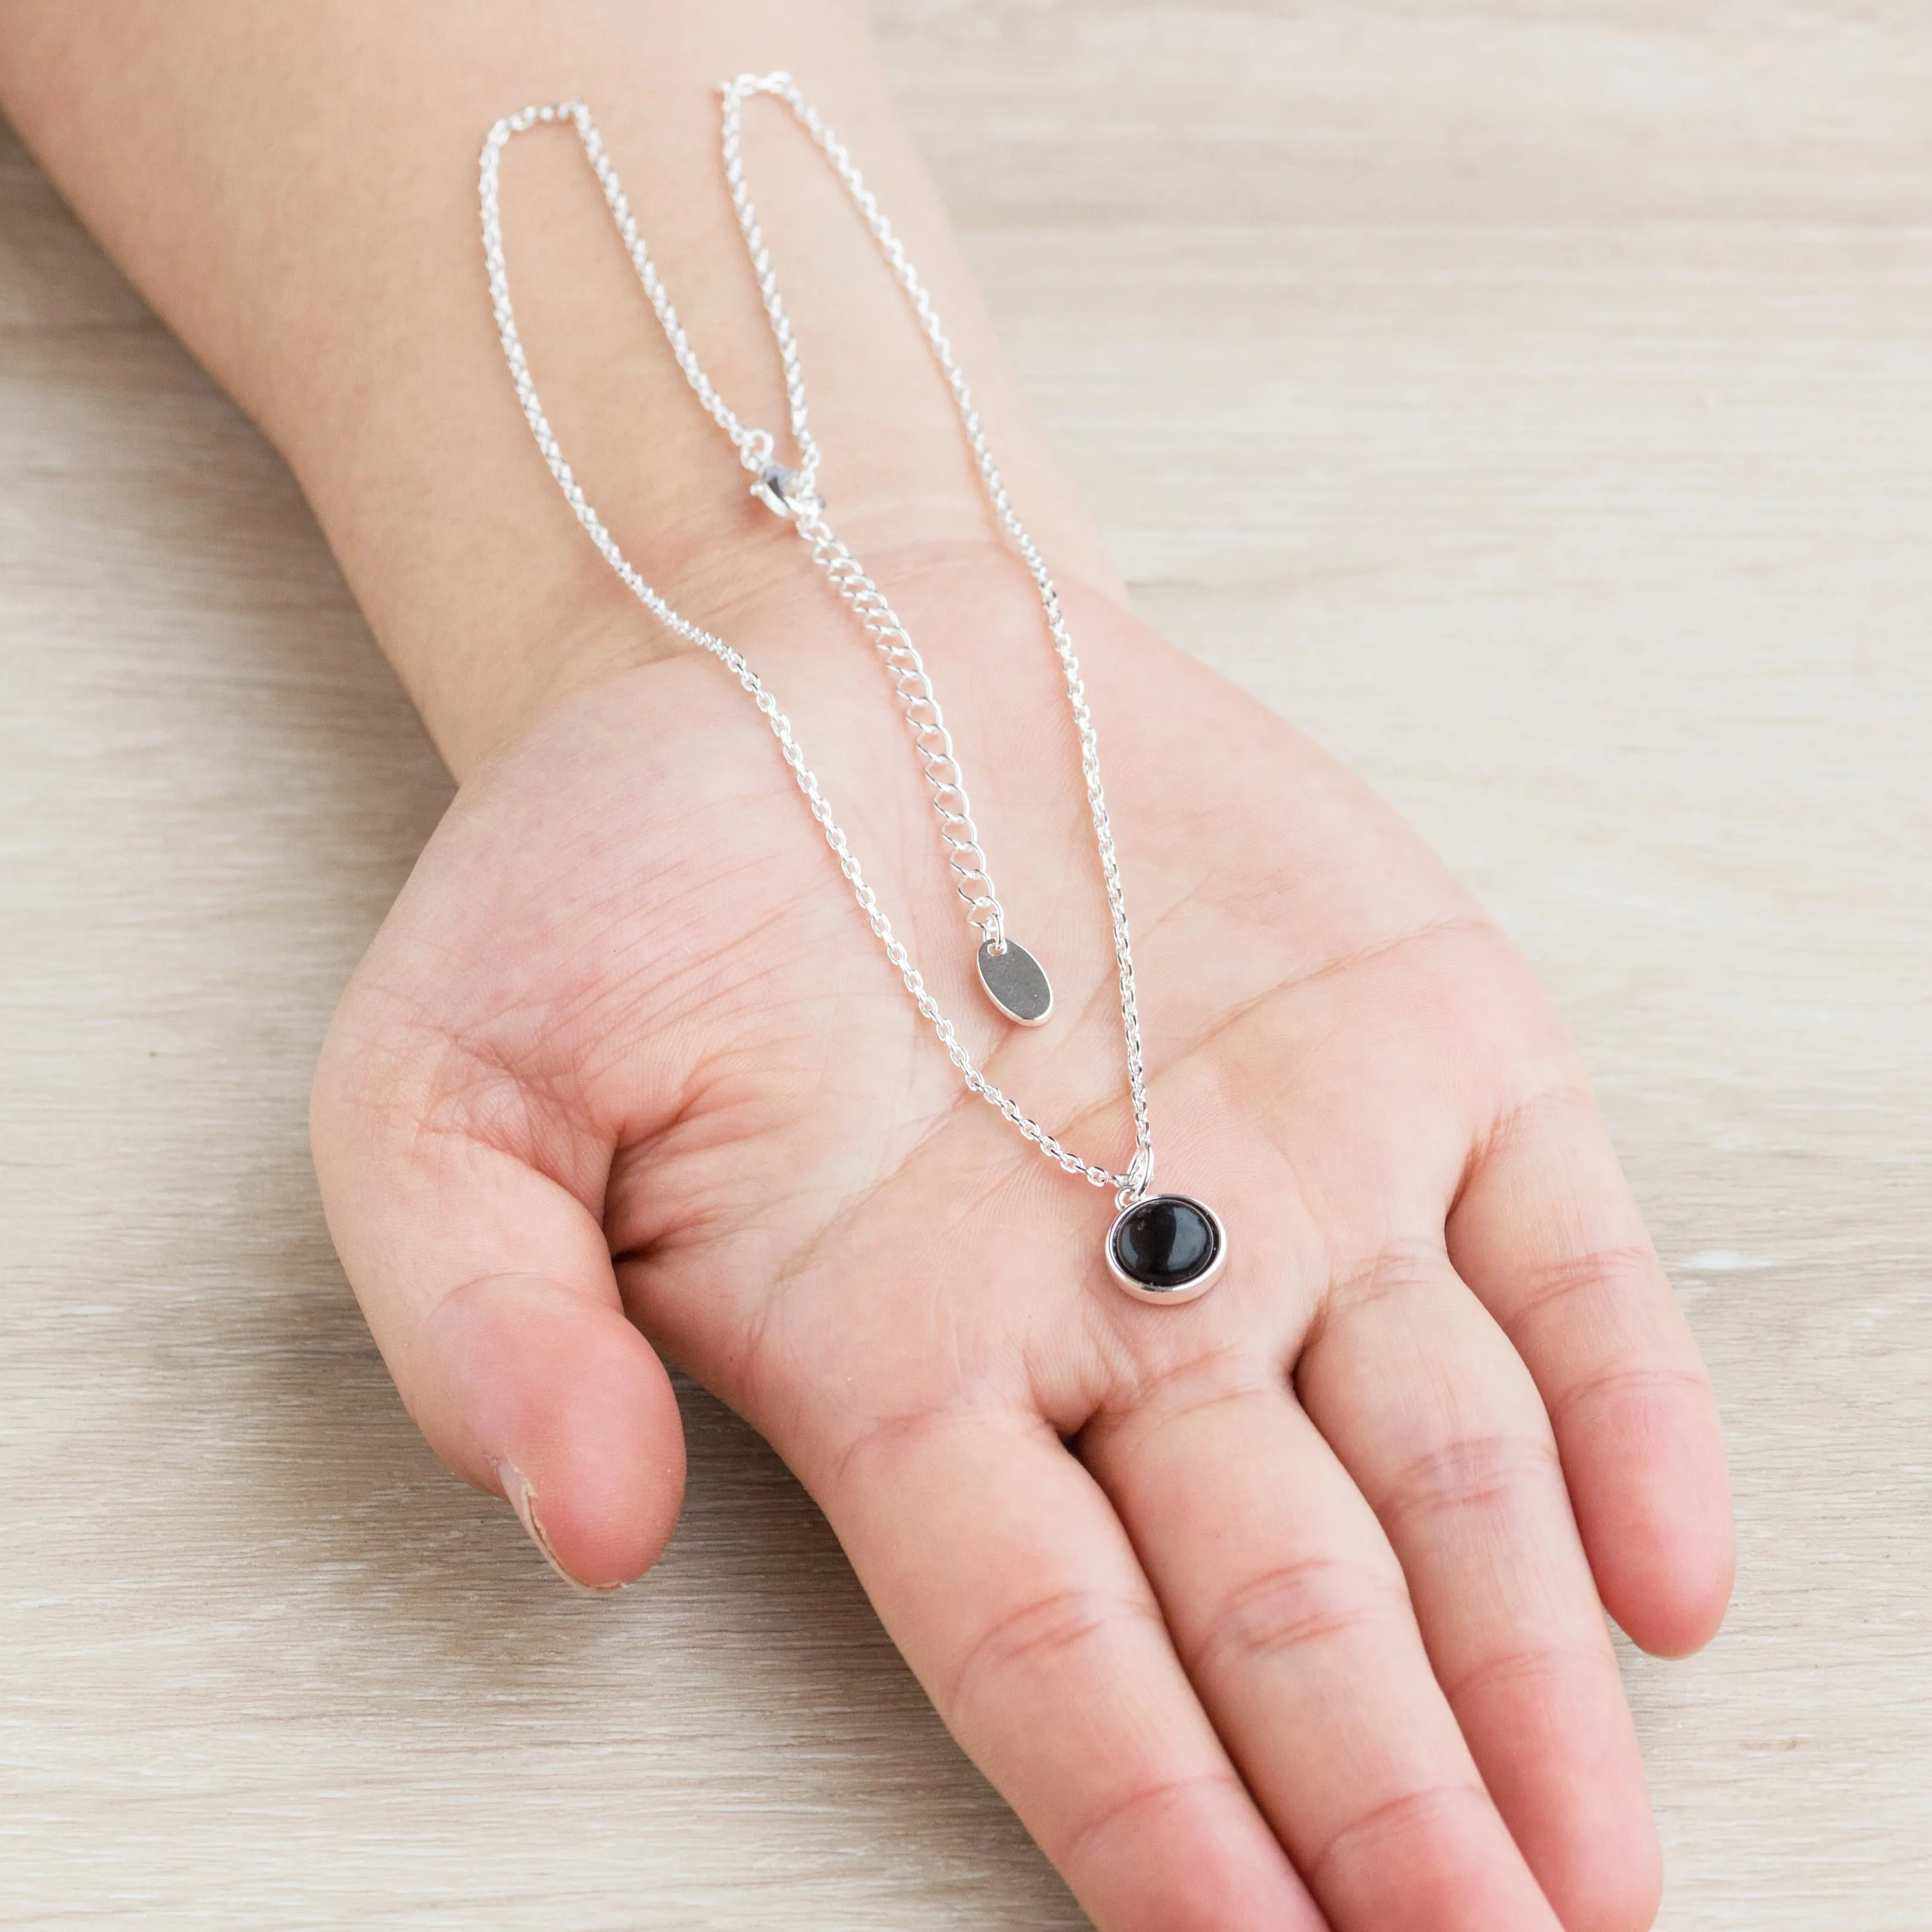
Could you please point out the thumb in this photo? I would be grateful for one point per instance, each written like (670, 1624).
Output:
(489, 1289)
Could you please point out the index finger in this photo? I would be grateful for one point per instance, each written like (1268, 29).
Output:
(1003, 1576)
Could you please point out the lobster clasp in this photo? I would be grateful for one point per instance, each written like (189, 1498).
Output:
(786, 493)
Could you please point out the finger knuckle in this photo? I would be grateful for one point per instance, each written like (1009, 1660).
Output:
(1044, 1631)
(1297, 1606)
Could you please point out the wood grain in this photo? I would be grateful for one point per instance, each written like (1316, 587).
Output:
(1534, 401)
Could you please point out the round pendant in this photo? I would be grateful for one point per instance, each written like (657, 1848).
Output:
(1168, 1248)
(1015, 983)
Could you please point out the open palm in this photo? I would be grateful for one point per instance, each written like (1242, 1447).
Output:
(1279, 1610)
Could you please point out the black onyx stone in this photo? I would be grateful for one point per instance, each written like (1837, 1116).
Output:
(1166, 1241)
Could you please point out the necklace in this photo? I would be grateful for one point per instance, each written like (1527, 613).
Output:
(1162, 1248)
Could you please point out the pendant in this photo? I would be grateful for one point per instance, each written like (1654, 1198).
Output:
(1015, 983)
(1168, 1248)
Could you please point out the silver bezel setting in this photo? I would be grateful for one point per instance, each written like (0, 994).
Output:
(1186, 1291)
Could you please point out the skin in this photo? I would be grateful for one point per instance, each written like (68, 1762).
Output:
(1282, 1610)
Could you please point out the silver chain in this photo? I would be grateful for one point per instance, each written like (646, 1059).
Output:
(794, 493)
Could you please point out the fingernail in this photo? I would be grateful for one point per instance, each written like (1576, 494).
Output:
(523, 1500)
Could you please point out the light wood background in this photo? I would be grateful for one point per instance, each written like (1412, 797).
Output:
(1533, 398)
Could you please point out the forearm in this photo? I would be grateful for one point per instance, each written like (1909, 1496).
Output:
(294, 189)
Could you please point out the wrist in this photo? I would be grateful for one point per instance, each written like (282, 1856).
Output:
(911, 484)
(758, 592)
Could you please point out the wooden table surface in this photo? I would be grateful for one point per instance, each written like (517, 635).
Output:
(1533, 398)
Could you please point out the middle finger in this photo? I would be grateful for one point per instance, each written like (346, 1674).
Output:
(1434, 1414)
(1290, 1611)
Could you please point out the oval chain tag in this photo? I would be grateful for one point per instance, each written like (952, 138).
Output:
(1016, 984)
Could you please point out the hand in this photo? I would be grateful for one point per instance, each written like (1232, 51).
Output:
(1280, 1610)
